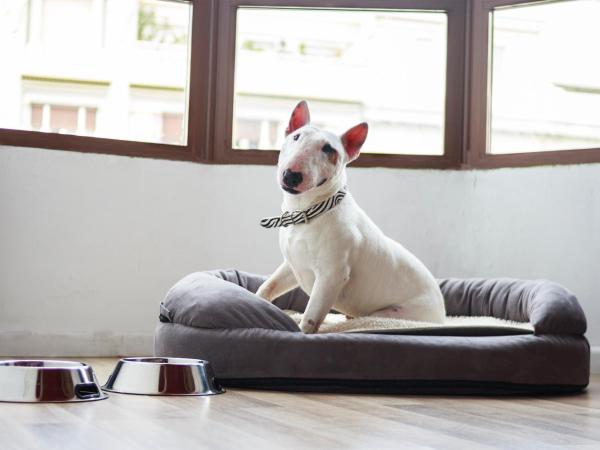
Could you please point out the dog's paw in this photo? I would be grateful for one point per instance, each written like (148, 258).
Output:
(309, 326)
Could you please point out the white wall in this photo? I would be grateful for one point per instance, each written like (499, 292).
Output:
(89, 244)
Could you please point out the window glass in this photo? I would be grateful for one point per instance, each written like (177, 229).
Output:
(171, 128)
(545, 77)
(384, 67)
(103, 68)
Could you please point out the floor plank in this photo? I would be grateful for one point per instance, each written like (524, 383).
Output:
(273, 420)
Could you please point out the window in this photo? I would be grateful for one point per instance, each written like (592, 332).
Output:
(387, 68)
(395, 64)
(97, 68)
(545, 77)
(533, 83)
(442, 83)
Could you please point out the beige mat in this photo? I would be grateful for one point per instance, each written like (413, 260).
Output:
(454, 325)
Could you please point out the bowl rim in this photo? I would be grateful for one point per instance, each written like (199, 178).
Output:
(42, 364)
(162, 361)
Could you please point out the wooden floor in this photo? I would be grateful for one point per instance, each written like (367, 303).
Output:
(274, 420)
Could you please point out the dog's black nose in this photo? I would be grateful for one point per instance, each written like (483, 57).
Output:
(292, 179)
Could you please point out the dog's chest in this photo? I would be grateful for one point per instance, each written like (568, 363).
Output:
(297, 246)
(303, 250)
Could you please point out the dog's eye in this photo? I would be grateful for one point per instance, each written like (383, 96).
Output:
(296, 136)
(328, 149)
(332, 154)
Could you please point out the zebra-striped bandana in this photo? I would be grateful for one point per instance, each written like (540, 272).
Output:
(304, 215)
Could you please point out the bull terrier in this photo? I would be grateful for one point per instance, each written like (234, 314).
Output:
(330, 247)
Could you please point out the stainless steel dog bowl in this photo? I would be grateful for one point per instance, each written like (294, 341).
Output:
(31, 381)
(163, 376)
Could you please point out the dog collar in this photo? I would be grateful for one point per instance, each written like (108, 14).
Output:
(304, 215)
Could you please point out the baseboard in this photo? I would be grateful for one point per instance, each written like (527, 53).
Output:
(595, 359)
(25, 343)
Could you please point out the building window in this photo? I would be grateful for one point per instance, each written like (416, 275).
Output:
(63, 119)
(157, 114)
(251, 132)
(162, 22)
(172, 128)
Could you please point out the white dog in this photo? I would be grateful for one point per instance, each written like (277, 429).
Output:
(331, 248)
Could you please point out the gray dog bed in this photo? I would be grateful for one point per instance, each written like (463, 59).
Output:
(538, 346)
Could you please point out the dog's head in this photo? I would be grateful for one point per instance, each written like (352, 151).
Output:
(311, 157)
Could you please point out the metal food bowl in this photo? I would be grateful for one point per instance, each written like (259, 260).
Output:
(163, 376)
(32, 381)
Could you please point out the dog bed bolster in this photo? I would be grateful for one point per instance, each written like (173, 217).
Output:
(548, 306)
(226, 299)
(210, 300)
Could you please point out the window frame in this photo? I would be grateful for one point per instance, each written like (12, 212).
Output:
(223, 152)
(211, 89)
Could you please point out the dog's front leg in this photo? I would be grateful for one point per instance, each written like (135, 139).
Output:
(325, 292)
(281, 281)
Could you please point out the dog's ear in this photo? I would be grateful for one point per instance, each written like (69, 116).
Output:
(353, 139)
(300, 117)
